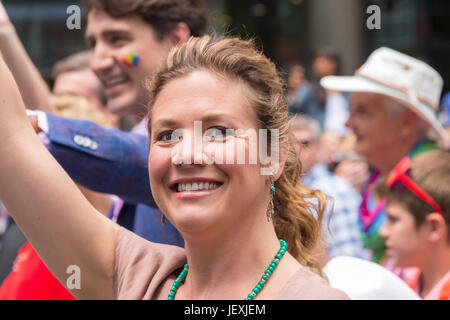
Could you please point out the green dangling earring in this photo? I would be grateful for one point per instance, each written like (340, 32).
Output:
(270, 211)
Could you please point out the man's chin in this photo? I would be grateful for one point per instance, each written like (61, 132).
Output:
(122, 106)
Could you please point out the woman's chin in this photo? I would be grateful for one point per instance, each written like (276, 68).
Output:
(192, 221)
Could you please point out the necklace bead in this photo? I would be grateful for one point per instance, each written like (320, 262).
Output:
(257, 289)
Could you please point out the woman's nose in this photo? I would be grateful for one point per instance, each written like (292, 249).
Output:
(189, 151)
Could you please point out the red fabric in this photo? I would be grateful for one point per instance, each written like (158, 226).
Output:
(30, 279)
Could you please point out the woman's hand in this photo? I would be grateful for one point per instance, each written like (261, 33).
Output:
(5, 23)
(35, 92)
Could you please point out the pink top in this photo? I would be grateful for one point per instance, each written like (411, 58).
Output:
(146, 270)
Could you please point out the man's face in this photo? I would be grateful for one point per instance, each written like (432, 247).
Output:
(81, 83)
(374, 127)
(113, 38)
(307, 148)
(324, 67)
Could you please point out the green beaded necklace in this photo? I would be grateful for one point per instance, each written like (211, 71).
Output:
(265, 277)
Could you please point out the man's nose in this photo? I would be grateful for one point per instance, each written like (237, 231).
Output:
(348, 122)
(102, 59)
(383, 231)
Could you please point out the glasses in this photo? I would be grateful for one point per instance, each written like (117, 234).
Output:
(399, 173)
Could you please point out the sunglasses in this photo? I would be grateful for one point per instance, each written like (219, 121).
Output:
(399, 173)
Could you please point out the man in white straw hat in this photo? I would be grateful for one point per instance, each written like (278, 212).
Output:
(393, 114)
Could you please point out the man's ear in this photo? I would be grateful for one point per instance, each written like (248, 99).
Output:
(409, 123)
(180, 34)
(437, 226)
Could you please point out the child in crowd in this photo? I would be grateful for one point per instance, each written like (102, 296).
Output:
(417, 230)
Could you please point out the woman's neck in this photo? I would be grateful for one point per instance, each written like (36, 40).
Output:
(230, 265)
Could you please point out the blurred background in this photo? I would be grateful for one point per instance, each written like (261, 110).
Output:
(288, 31)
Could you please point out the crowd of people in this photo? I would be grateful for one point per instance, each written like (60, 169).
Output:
(358, 166)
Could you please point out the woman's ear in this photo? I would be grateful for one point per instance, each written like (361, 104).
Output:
(438, 227)
(282, 158)
(180, 34)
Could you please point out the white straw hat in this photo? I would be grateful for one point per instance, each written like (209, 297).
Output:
(406, 79)
(365, 280)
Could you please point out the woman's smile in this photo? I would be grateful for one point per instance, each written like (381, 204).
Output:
(193, 187)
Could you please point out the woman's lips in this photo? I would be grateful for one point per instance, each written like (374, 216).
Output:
(194, 194)
(195, 189)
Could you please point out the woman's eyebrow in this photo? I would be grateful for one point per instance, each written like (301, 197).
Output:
(218, 117)
(164, 123)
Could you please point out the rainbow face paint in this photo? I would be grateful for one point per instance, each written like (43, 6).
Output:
(131, 60)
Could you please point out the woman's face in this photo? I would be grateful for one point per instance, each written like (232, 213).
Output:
(195, 194)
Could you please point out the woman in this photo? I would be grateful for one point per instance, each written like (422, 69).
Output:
(229, 214)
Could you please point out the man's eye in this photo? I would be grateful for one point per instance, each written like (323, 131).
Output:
(391, 219)
(91, 43)
(117, 40)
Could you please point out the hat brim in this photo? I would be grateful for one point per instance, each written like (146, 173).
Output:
(359, 84)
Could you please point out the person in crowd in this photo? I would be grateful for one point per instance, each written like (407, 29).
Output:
(394, 103)
(329, 107)
(327, 62)
(232, 225)
(296, 83)
(340, 221)
(73, 77)
(348, 164)
(302, 99)
(128, 42)
(417, 229)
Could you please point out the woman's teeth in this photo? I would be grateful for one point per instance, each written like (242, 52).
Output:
(196, 186)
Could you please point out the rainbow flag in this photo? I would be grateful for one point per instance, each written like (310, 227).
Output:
(130, 60)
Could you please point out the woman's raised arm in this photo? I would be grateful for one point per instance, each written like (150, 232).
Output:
(34, 90)
(46, 204)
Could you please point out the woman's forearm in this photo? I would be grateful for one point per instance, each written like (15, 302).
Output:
(35, 92)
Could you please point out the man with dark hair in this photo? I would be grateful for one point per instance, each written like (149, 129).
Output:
(145, 29)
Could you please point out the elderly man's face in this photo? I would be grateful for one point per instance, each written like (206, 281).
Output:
(374, 126)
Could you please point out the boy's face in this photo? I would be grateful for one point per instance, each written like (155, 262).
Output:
(406, 243)
(111, 39)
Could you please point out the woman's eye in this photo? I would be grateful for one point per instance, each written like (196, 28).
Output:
(167, 136)
(219, 133)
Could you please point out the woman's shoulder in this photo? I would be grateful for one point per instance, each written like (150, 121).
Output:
(307, 285)
(142, 268)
